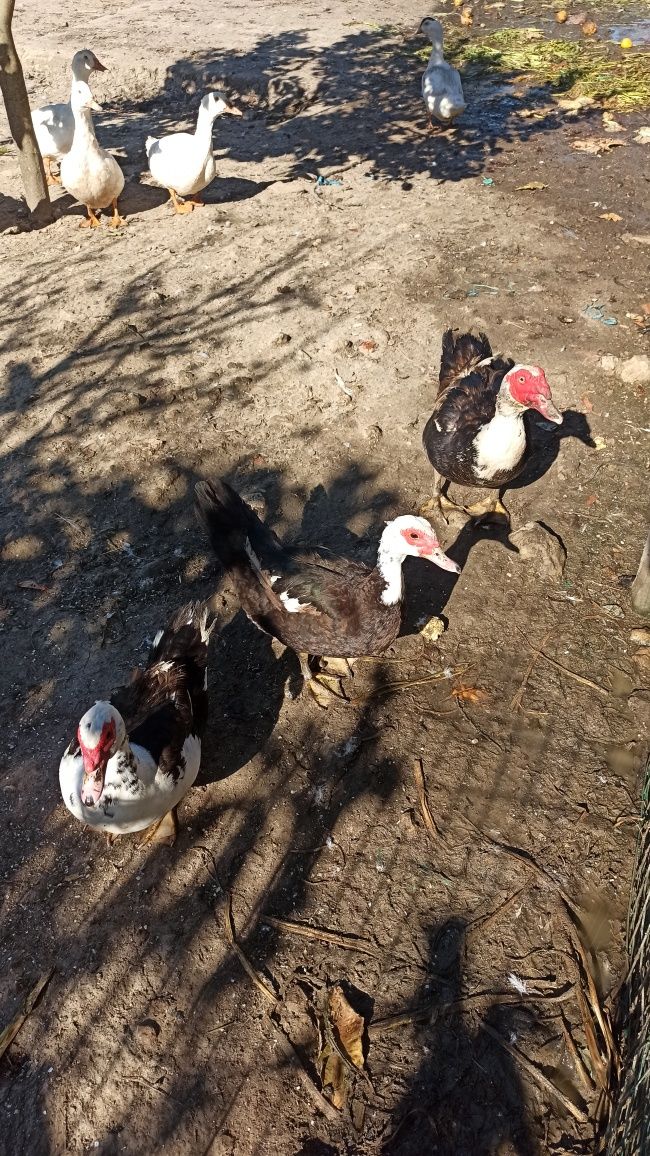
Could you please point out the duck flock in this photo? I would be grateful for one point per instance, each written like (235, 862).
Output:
(136, 754)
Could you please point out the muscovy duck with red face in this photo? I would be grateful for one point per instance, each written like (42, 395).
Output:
(476, 435)
(137, 753)
(313, 601)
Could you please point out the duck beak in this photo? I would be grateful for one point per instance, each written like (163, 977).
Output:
(443, 561)
(232, 110)
(544, 405)
(98, 66)
(92, 785)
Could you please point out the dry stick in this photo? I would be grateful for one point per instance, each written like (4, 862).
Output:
(423, 1013)
(293, 1058)
(404, 683)
(483, 920)
(420, 786)
(9, 1033)
(351, 942)
(516, 700)
(578, 1062)
(229, 928)
(577, 1113)
(565, 669)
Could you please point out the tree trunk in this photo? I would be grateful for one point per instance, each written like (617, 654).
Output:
(641, 584)
(12, 85)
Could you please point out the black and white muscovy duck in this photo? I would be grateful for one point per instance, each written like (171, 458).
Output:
(137, 753)
(476, 435)
(315, 602)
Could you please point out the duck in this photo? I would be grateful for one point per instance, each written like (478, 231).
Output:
(183, 162)
(89, 173)
(442, 90)
(476, 434)
(54, 123)
(313, 601)
(137, 753)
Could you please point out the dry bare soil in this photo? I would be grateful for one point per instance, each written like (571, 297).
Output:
(134, 363)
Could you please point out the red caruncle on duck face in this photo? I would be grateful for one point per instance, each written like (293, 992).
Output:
(528, 386)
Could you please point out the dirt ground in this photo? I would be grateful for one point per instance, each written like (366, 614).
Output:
(133, 364)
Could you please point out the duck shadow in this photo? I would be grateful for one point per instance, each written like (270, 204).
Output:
(14, 215)
(227, 190)
(247, 690)
(139, 198)
(545, 444)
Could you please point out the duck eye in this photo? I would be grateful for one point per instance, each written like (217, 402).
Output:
(521, 379)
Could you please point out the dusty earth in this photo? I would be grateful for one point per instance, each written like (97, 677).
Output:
(287, 335)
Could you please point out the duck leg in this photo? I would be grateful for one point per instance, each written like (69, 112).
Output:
(50, 177)
(322, 686)
(440, 503)
(92, 222)
(180, 206)
(163, 831)
(490, 509)
(116, 220)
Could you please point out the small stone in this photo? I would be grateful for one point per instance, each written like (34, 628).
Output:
(146, 1034)
(640, 637)
(542, 549)
(282, 339)
(636, 370)
(609, 363)
(432, 630)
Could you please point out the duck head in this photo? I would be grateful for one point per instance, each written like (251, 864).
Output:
(432, 29)
(101, 733)
(81, 98)
(403, 537)
(85, 62)
(214, 104)
(526, 386)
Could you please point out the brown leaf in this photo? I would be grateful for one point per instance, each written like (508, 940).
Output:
(347, 1027)
(29, 584)
(595, 145)
(368, 346)
(532, 185)
(587, 403)
(610, 217)
(469, 693)
(591, 500)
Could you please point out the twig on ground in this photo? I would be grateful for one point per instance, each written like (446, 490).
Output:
(420, 786)
(528, 1066)
(425, 1011)
(293, 1058)
(229, 928)
(515, 702)
(347, 940)
(8, 1034)
(483, 920)
(578, 1062)
(566, 670)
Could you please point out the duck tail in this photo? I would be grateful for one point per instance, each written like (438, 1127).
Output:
(232, 526)
(182, 646)
(460, 352)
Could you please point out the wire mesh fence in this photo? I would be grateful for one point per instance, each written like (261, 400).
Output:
(629, 1129)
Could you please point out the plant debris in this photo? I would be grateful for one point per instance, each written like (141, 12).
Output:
(8, 1034)
(341, 1055)
(596, 145)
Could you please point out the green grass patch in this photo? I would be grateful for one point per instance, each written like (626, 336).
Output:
(620, 81)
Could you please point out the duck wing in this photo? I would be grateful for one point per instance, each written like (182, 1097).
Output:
(166, 700)
(319, 583)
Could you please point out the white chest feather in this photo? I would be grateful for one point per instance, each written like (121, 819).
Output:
(499, 445)
(135, 793)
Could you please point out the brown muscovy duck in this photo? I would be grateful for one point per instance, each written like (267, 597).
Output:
(476, 435)
(312, 600)
(136, 754)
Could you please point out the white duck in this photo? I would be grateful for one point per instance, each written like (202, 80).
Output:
(54, 123)
(442, 90)
(90, 174)
(183, 162)
(137, 755)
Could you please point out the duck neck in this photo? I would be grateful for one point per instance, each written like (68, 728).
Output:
(389, 566)
(437, 55)
(507, 406)
(204, 127)
(84, 129)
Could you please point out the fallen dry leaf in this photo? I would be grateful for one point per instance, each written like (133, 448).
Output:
(642, 135)
(587, 404)
(575, 104)
(577, 18)
(432, 629)
(600, 443)
(531, 186)
(347, 1027)
(595, 145)
(29, 584)
(368, 346)
(467, 17)
(610, 123)
(610, 217)
(469, 693)
(589, 28)
(591, 500)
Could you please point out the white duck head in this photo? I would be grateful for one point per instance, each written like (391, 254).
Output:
(214, 104)
(403, 537)
(101, 733)
(81, 98)
(432, 29)
(85, 62)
